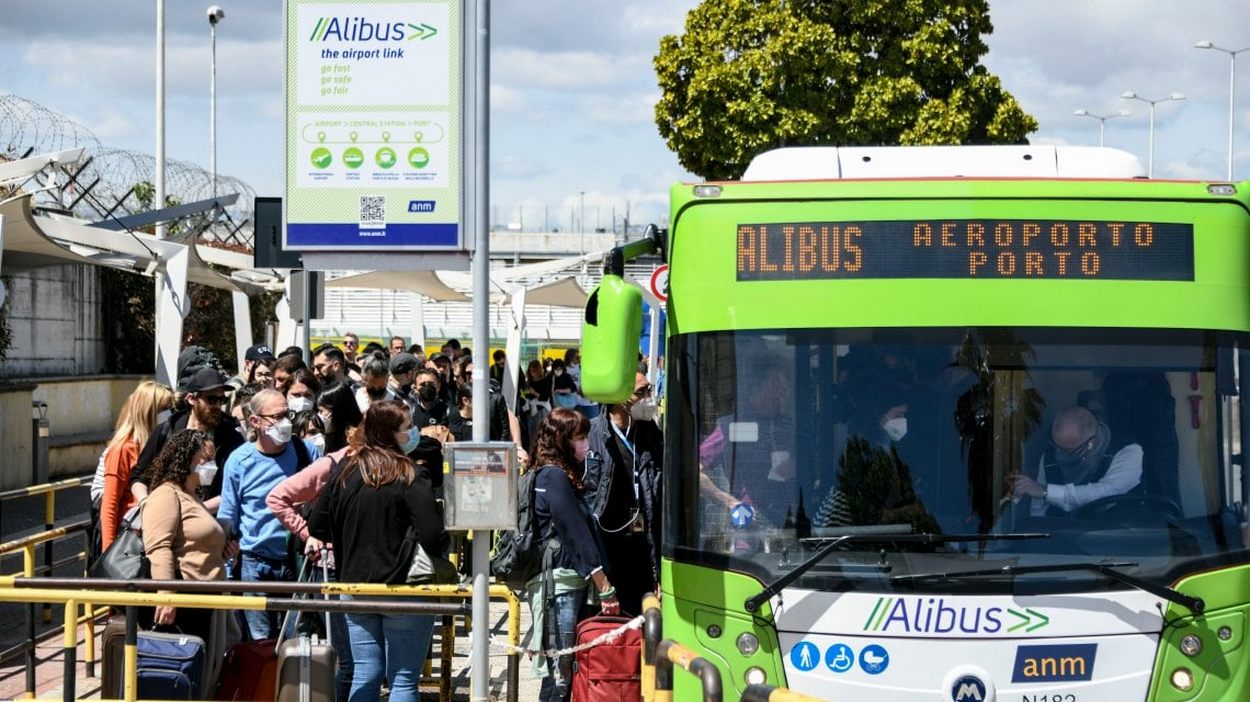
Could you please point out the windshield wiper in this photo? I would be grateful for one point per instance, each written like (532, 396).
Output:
(753, 603)
(1108, 570)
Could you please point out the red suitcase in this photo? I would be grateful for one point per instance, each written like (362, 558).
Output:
(609, 672)
(249, 672)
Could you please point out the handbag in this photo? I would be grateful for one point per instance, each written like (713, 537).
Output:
(125, 559)
(426, 568)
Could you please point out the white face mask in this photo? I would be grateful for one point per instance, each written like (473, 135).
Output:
(319, 440)
(207, 471)
(280, 431)
(299, 404)
(895, 428)
(163, 416)
(644, 410)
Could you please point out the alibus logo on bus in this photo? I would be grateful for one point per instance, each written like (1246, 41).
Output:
(933, 616)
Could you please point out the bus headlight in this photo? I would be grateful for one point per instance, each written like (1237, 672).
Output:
(756, 676)
(1182, 679)
(748, 644)
(1191, 645)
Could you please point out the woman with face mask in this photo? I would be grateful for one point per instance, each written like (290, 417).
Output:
(146, 407)
(184, 541)
(372, 500)
(302, 390)
(559, 451)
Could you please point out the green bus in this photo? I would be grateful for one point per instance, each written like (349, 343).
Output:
(952, 423)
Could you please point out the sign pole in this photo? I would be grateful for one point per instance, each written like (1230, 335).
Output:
(479, 79)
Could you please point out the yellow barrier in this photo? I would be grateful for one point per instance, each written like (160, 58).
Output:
(71, 591)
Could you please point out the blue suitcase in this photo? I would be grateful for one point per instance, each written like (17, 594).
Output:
(171, 666)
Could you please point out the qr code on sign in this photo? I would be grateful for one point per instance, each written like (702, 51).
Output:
(372, 211)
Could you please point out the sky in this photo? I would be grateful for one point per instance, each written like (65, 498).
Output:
(573, 88)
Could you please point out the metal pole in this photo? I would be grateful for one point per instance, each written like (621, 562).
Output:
(1232, 91)
(212, 109)
(479, 658)
(1102, 131)
(1150, 172)
(158, 184)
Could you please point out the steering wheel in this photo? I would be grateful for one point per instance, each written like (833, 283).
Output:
(1144, 503)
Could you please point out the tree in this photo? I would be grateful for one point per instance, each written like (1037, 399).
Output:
(748, 75)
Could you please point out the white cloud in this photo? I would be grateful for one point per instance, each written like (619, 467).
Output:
(566, 70)
(620, 108)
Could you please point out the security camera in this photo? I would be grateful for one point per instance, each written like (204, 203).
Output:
(216, 14)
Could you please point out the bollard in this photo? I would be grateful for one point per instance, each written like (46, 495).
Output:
(663, 677)
(28, 570)
(49, 523)
(670, 653)
(652, 632)
(88, 611)
(39, 475)
(69, 641)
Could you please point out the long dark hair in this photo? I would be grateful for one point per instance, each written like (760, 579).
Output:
(380, 459)
(554, 444)
(175, 461)
(344, 413)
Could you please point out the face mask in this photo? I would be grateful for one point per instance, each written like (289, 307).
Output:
(280, 431)
(414, 438)
(644, 411)
(163, 416)
(207, 471)
(559, 373)
(319, 441)
(895, 428)
(427, 393)
(299, 404)
(581, 447)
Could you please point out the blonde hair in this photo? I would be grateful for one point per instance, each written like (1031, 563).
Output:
(137, 419)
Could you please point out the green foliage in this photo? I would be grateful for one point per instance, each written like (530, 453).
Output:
(129, 312)
(749, 75)
(6, 333)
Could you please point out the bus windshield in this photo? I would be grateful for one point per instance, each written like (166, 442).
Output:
(1120, 445)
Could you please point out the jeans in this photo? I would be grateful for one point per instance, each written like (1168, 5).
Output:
(263, 625)
(568, 612)
(393, 645)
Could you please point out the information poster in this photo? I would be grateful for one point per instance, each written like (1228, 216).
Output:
(373, 115)
(479, 485)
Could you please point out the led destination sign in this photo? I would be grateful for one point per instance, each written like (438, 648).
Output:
(967, 248)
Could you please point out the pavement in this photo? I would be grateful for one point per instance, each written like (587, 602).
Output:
(24, 516)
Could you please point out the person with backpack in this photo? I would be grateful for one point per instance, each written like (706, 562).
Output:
(251, 472)
(146, 407)
(376, 507)
(571, 561)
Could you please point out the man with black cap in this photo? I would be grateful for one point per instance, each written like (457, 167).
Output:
(403, 374)
(205, 400)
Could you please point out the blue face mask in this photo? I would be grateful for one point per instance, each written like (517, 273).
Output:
(414, 438)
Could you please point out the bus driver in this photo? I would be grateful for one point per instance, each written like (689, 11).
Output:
(1079, 466)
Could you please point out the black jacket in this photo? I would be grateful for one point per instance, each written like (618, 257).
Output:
(226, 438)
(611, 472)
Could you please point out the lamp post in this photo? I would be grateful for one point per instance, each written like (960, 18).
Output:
(1232, 91)
(582, 218)
(1102, 121)
(1130, 95)
(215, 15)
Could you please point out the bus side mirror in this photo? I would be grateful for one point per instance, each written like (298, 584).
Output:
(610, 334)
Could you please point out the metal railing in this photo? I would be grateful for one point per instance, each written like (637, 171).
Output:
(218, 594)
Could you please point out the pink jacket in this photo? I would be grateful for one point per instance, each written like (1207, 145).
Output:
(289, 495)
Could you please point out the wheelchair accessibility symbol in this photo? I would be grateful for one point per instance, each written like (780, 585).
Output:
(805, 656)
(840, 658)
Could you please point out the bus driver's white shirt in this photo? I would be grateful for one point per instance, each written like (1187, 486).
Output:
(1122, 475)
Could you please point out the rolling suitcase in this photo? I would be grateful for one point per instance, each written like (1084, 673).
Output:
(611, 671)
(248, 672)
(307, 666)
(171, 666)
(113, 655)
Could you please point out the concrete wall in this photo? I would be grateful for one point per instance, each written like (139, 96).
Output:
(81, 413)
(54, 315)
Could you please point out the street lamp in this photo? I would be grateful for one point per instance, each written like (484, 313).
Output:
(1130, 95)
(1232, 89)
(215, 15)
(1102, 121)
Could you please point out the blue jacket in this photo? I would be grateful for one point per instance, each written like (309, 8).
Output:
(249, 477)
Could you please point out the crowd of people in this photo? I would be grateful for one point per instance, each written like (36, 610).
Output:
(336, 454)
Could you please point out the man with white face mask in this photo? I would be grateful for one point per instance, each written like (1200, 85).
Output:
(251, 472)
(622, 480)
